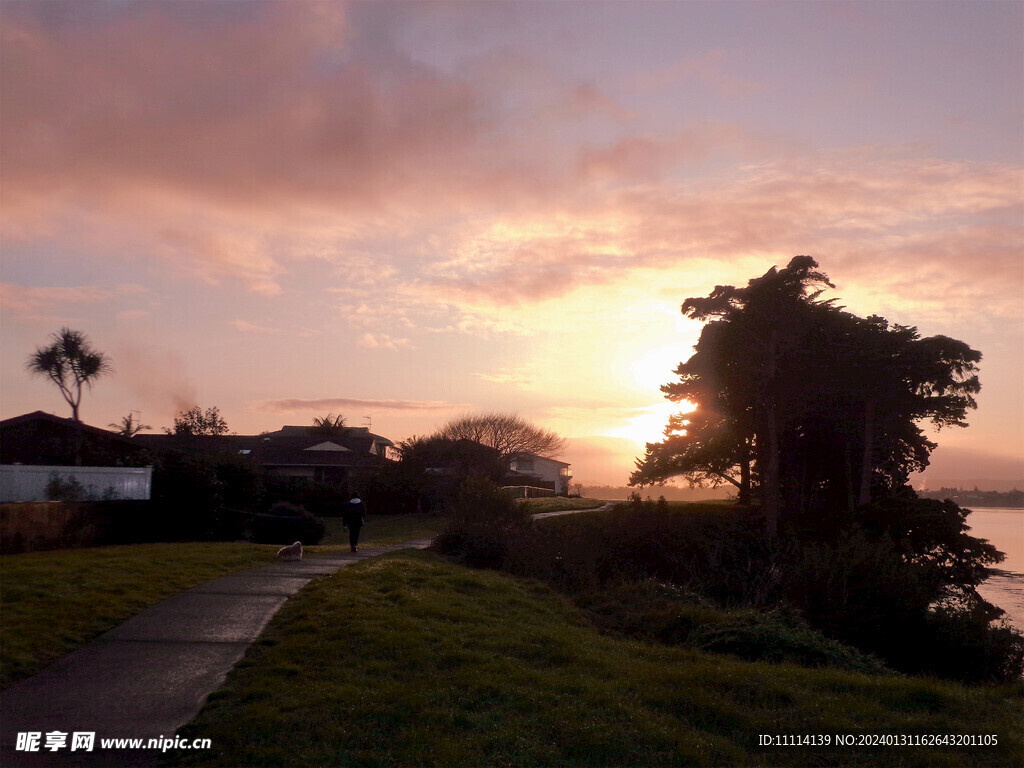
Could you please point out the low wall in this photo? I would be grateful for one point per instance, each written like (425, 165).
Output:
(36, 525)
(528, 491)
(42, 525)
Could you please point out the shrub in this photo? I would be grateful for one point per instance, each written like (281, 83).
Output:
(668, 614)
(64, 489)
(866, 585)
(187, 497)
(285, 523)
(483, 521)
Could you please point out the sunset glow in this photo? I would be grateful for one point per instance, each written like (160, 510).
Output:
(407, 211)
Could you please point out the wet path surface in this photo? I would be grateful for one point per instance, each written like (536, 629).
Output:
(149, 676)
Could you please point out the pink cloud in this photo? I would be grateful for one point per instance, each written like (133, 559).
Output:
(350, 403)
(25, 300)
(238, 139)
(709, 70)
(381, 341)
(260, 330)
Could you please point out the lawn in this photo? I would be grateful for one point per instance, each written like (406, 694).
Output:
(410, 660)
(53, 602)
(560, 503)
(381, 531)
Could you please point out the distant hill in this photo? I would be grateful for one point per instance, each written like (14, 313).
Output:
(977, 498)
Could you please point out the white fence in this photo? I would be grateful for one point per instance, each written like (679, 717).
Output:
(528, 491)
(24, 482)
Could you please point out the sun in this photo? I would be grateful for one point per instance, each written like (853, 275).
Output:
(648, 425)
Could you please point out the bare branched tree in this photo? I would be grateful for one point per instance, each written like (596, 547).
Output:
(507, 433)
(69, 362)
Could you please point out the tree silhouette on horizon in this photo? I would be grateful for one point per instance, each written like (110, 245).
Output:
(800, 402)
(69, 362)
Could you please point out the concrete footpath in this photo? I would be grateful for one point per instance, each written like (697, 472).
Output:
(149, 676)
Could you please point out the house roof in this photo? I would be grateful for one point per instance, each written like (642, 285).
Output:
(537, 457)
(49, 418)
(42, 438)
(289, 446)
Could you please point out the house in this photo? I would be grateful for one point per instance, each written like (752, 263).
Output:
(539, 472)
(323, 455)
(318, 454)
(41, 453)
(40, 438)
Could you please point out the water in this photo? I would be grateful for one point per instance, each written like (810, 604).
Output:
(1003, 527)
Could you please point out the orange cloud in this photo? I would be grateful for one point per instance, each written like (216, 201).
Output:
(328, 403)
(28, 300)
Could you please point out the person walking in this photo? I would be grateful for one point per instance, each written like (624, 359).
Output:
(353, 517)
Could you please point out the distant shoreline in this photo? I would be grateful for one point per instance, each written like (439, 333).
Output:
(974, 498)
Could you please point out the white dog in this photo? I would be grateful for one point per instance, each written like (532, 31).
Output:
(291, 552)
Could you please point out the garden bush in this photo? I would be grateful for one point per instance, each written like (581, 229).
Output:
(483, 522)
(864, 585)
(286, 523)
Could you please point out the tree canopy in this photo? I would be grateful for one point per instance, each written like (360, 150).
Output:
(128, 426)
(196, 421)
(802, 403)
(329, 424)
(507, 433)
(69, 362)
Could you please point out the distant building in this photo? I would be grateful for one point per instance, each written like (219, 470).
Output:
(40, 438)
(40, 451)
(540, 472)
(323, 455)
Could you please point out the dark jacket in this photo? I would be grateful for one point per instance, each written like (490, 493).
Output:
(354, 514)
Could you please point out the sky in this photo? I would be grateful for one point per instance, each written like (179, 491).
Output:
(404, 212)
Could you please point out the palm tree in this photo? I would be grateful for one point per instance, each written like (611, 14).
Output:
(329, 424)
(69, 362)
(128, 427)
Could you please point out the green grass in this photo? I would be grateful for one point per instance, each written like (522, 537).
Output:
(410, 660)
(559, 503)
(381, 531)
(53, 602)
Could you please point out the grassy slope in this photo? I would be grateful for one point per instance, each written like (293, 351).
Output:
(53, 602)
(408, 660)
(559, 503)
(381, 531)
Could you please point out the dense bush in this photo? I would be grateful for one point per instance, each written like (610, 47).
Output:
(187, 499)
(483, 522)
(671, 615)
(286, 523)
(881, 582)
(321, 499)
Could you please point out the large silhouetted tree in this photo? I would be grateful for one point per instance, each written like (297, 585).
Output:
(802, 403)
(507, 433)
(69, 362)
(196, 421)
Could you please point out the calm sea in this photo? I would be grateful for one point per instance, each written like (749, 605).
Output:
(1004, 528)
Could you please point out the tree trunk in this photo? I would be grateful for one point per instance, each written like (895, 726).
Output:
(745, 496)
(867, 463)
(848, 475)
(770, 478)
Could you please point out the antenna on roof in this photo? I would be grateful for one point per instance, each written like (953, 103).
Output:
(369, 422)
